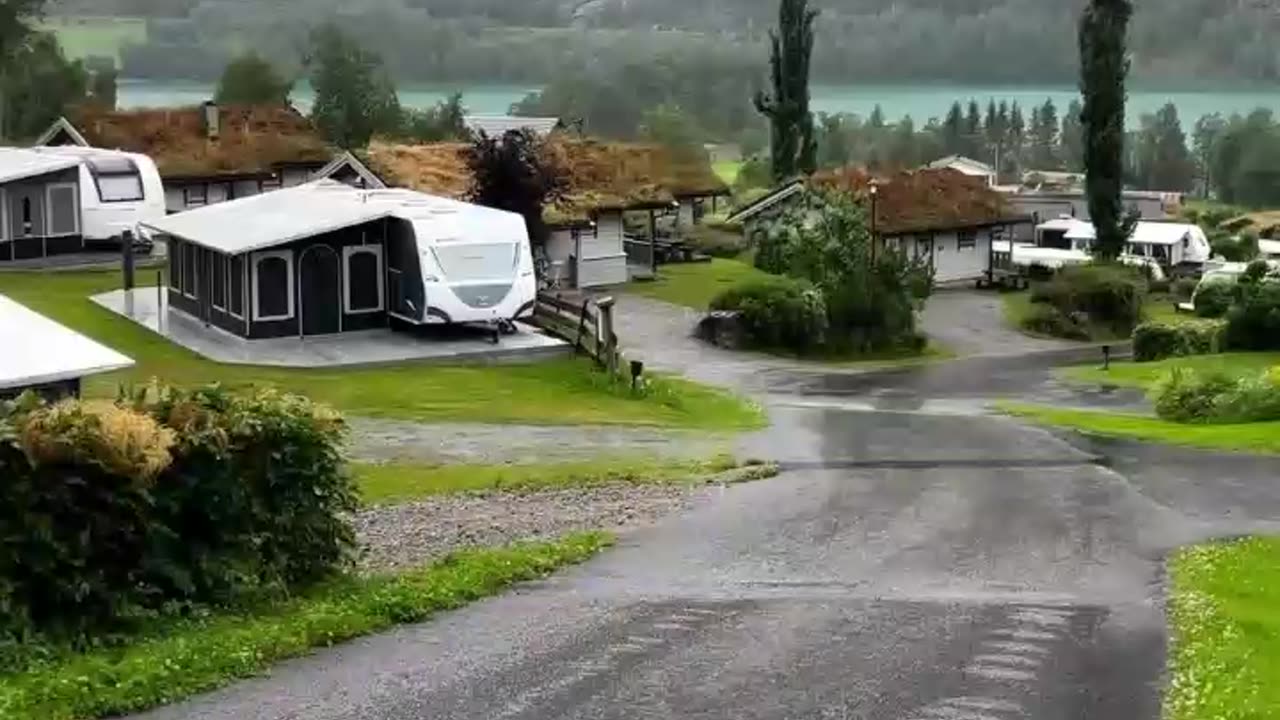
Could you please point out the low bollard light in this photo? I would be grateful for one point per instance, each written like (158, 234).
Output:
(1106, 357)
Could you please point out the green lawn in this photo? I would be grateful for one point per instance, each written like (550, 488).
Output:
(561, 391)
(389, 483)
(1145, 375)
(84, 37)
(172, 660)
(694, 285)
(728, 170)
(1224, 659)
(1252, 437)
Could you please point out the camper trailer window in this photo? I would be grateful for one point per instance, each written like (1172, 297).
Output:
(118, 179)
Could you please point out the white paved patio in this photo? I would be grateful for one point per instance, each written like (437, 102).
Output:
(369, 347)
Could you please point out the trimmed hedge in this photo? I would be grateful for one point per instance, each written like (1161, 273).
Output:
(1213, 299)
(167, 498)
(777, 312)
(1254, 322)
(1158, 341)
(1187, 396)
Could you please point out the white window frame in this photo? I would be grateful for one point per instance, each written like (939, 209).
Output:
(258, 257)
(349, 252)
(48, 208)
(244, 264)
(960, 245)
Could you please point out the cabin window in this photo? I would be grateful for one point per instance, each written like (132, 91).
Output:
(218, 296)
(235, 286)
(189, 270)
(63, 209)
(175, 265)
(273, 286)
(26, 216)
(196, 195)
(118, 179)
(967, 239)
(362, 270)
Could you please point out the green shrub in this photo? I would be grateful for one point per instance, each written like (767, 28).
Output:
(1044, 319)
(1184, 288)
(716, 243)
(166, 497)
(1254, 322)
(1213, 299)
(777, 312)
(1158, 341)
(1109, 296)
(1189, 397)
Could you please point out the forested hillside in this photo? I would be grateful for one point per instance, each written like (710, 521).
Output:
(1033, 41)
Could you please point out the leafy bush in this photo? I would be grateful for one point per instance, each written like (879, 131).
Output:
(711, 241)
(1184, 288)
(1109, 296)
(168, 496)
(1254, 322)
(1213, 299)
(1158, 341)
(1045, 319)
(1241, 248)
(1189, 397)
(872, 297)
(778, 312)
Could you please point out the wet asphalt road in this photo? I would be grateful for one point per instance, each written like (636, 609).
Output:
(917, 559)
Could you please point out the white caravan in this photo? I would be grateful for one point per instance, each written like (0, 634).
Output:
(454, 262)
(119, 191)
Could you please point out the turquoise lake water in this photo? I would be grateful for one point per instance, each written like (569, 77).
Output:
(920, 101)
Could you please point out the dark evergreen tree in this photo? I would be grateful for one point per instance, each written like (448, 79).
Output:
(877, 117)
(1163, 160)
(973, 130)
(1072, 153)
(794, 147)
(355, 96)
(1044, 137)
(16, 27)
(250, 79)
(953, 135)
(1104, 67)
(515, 173)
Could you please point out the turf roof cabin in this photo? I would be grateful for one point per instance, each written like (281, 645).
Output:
(587, 246)
(942, 216)
(205, 153)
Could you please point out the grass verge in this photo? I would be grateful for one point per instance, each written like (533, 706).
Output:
(694, 285)
(561, 391)
(197, 655)
(1225, 633)
(389, 483)
(1251, 437)
(1145, 375)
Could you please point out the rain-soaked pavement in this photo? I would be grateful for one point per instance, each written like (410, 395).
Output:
(918, 558)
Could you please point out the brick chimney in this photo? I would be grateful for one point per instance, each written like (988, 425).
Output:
(211, 120)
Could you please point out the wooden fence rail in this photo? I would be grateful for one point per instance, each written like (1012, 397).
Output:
(583, 321)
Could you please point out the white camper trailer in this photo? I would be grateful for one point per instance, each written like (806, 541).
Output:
(119, 191)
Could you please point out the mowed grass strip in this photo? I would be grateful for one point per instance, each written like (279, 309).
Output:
(1252, 437)
(560, 391)
(398, 482)
(1224, 658)
(177, 659)
(1146, 375)
(695, 285)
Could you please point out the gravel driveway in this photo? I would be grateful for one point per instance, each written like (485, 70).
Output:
(406, 536)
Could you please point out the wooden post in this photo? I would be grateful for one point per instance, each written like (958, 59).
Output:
(609, 346)
(653, 244)
(126, 246)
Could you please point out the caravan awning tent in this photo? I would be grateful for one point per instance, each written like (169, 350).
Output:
(40, 352)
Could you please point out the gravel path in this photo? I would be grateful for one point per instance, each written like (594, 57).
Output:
(383, 440)
(407, 536)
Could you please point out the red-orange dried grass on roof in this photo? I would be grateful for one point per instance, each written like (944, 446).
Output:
(251, 139)
(601, 175)
(921, 200)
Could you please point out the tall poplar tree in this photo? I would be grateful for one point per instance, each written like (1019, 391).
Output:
(1104, 66)
(794, 147)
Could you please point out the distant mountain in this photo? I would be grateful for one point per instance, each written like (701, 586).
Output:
(859, 40)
